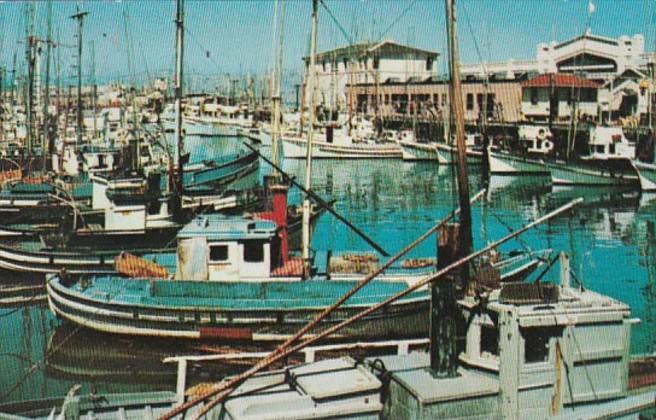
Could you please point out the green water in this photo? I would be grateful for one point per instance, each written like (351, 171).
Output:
(611, 238)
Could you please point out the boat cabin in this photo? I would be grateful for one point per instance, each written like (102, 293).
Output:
(216, 247)
(533, 351)
(609, 143)
(535, 139)
(131, 203)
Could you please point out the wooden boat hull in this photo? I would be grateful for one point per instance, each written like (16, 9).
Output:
(418, 151)
(244, 311)
(646, 175)
(265, 310)
(80, 261)
(295, 148)
(502, 163)
(617, 173)
(447, 155)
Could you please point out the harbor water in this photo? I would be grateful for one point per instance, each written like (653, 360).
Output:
(611, 237)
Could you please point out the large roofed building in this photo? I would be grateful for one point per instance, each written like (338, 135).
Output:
(365, 63)
(597, 57)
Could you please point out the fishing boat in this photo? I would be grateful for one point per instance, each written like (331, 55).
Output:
(338, 146)
(533, 350)
(608, 161)
(524, 158)
(235, 280)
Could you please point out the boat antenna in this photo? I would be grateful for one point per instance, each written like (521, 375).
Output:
(179, 145)
(79, 16)
(311, 83)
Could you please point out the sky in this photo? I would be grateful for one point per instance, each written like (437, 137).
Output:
(237, 34)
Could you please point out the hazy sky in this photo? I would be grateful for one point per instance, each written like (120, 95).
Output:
(237, 33)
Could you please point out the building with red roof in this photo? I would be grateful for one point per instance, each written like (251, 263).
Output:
(552, 95)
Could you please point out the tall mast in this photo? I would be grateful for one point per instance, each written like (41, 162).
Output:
(79, 16)
(275, 91)
(30, 58)
(456, 108)
(455, 239)
(308, 156)
(179, 147)
(46, 98)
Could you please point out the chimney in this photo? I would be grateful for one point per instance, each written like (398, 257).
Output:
(279, 217)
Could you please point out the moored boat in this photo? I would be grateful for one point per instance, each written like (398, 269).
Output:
(608, 161)
(527, 157)
(235, 280)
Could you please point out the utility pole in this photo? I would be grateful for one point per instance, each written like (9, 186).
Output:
(79, 16)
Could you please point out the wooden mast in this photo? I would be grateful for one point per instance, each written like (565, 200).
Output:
(179, 146)
(80, 20)
(308, 156)
(455, 240)
(275, 88)
(456, 108)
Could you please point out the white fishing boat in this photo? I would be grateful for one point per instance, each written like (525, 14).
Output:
(524, 158)
(337, 144)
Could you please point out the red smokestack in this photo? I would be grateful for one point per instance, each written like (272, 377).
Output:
(279, 217)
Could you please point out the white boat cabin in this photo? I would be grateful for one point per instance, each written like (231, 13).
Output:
(536, 139)
(215, 247)
(130, 203)
(609, 143)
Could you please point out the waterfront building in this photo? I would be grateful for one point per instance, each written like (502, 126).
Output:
(555, 94)
(367, 63)
(498, 99)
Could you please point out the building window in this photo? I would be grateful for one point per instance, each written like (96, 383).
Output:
(470, 101)
(534, 96)
(345, 64)
(479, 100)
(218, 253)
(429, 64)
(253, 251)
(323, 65)
(443, 99)
(376, 62)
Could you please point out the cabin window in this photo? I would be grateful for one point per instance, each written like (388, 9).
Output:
(489, 340)
(600, 148)
(218, 253)
(254, 251)
(536, 343)
(101, 161)
(611, 148)
(154, 207)
(470, 101)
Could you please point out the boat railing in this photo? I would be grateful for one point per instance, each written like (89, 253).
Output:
(398, 347)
